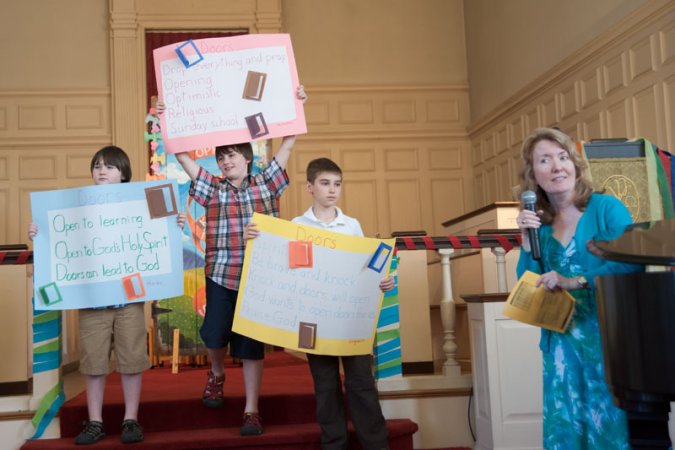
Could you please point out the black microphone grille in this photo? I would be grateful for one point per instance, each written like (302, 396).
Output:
(528, 197)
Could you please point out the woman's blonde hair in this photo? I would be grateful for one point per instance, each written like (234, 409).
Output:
(583, 187)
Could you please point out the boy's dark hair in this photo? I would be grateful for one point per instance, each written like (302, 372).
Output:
(245, 149)
(316, 166)
(113, 156)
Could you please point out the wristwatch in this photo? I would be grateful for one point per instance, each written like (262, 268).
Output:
(583, 282)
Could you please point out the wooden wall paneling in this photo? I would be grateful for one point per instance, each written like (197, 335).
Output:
(592, 127)
(669, 112)
(5, 195)
(489, 147)
(502, 139)
(447, 201)
(614, 74)
(532, 119)
(641, 58)
(386, 134)
(618, 120)
(399, 112)
(445, 157)
(590, 89)
(3, 118)
(477, 153)
(504, 179)
(491, 184)
(516, 129)
(400, 159)
(666, 45)
(550, 112)
(360, 200)
(479, 189)
(621, 87)
(403, 204)
(568, 101)
(645, 107)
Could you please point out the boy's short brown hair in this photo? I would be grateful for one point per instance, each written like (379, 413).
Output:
(245, 149)
(113, 156)
(316, 166)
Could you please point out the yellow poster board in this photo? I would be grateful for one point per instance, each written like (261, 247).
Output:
(327, 304)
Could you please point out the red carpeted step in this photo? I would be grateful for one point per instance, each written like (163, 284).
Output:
(278, 437)
(172, 401)
(173, 417)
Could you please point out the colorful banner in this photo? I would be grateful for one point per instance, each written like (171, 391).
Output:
(46, 367)
(105, 245)
(228, 90)
(387, 350)
(310, 289)
(186, 312)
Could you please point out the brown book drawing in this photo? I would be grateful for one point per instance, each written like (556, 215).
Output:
(161, 201)
(255, 84)
(257, 125)
(306, 335)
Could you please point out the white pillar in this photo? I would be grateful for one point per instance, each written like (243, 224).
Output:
(450, 367)
(500, 255)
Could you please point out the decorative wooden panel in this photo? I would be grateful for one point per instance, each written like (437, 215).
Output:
(666, 44)
(669, 100)
(447, 200)
(568, 103)
(357, 160)
(445, 158)
(401, 159)
(3, 118)
(356, 112)
(549, 111)
(591, 127)
(644, 114)
(360, 200)
(614, 74)
(617, 120)
(589, 89)
(403, 204)
(516, 132)
(37, 167)
(640, 59)
(398, 111)
(5, 216)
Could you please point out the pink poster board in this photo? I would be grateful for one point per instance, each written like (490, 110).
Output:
(243, 89)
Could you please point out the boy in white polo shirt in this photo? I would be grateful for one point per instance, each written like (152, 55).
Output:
(324, 183)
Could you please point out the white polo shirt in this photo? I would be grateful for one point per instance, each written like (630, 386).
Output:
(341, 224)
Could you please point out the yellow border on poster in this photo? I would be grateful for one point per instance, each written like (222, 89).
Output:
(329, 239)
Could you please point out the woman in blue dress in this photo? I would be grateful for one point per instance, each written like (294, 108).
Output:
(578, 409)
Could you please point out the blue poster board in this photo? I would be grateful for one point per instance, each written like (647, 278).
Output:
(107, 245)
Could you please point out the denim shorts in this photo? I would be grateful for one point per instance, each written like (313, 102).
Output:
(216, 331)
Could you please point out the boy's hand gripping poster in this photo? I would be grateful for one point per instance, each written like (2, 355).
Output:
(311, 290)
(106, 245)
(228, 90)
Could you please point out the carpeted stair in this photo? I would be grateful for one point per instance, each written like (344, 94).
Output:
(173, 416)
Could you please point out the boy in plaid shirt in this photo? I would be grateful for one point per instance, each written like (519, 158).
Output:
(230, 203)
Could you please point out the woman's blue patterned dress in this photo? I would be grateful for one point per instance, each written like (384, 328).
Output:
(578, 409)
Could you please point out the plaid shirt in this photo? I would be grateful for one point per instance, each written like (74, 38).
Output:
(228, 210)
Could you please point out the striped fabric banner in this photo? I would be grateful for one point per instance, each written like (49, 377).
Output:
(46, 358)
(387, 350)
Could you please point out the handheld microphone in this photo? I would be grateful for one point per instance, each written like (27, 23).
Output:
(529, 201)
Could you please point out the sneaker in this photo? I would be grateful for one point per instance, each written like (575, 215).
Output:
(252, 425)
(93, 432)
(213, 392)
(131, 432)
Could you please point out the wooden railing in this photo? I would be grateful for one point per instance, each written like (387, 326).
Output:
(445, 246)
